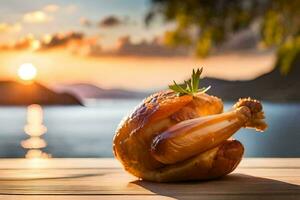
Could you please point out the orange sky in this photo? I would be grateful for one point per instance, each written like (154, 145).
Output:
(140, 73)
(103, 42)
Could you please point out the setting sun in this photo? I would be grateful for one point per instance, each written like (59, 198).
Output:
(27, 72)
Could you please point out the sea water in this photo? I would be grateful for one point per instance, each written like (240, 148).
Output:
(76, 131)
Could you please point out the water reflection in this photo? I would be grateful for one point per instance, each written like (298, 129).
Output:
(35, 129)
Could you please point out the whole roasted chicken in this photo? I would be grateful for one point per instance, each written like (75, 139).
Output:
(183, 134)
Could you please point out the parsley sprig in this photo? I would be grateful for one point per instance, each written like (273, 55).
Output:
(191, 86)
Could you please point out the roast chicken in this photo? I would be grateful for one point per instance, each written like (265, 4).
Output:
(171, 137)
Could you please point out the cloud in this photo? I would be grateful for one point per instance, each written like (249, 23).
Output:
(51, 8)
(85, 22)
(60, 40)
(24, 43)
(110, 21)
(144, 48)
(79, 44)
(76, 42)
(5, 28)
(70, 9)
(106, 22)
(87, 47)
(37, 17)
(125, 47)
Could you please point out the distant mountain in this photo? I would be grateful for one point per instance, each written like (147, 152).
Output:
(14, 93)
(271, 87)
(85, 91)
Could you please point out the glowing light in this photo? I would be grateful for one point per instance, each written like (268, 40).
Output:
(33, 143)
(37, 154)
(35, 129)
(34, 126)
(27, 72)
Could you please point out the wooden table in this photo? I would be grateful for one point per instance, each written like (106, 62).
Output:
(255, 178)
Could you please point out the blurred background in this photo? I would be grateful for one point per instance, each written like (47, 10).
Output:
(71, 70)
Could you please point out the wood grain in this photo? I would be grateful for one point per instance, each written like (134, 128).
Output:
(259, 178)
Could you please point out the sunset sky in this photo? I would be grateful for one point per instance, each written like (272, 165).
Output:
(105, 43)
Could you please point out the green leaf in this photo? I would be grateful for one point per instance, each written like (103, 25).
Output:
(196, 79)
(203, 90)
(191, 86)
(178, 89)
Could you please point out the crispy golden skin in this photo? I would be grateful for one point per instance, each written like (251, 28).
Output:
(172, 138)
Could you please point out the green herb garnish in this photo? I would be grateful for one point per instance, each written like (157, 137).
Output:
(191, 86)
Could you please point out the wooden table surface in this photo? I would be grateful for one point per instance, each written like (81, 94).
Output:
(74, 179)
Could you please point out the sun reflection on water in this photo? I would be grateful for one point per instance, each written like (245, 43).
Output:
(35, 129)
